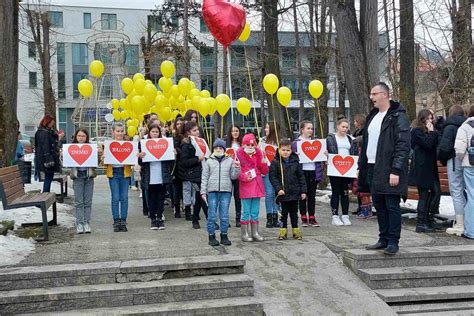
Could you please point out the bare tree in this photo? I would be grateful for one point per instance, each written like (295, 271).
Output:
(298, 61)
(8, 83)
(407, 57)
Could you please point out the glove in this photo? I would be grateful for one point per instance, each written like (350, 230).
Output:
(49, 165)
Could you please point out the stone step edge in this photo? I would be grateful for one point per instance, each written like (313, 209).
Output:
(107, 290)
(411, 252)
(248, 303)
(117, 267)
(418, 272)
(419, 294)
(434, 307)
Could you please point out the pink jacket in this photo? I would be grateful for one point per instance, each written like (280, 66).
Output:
(251, 188)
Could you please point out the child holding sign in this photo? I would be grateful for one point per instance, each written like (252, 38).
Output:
(343, 144)
(83, 185)
(156, 175)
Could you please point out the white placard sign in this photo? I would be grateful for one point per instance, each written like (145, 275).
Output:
(342, 166)
(311, 150)
(80, 155)
(269, 151)
(157, 149)
(120, 152)
(202, 149)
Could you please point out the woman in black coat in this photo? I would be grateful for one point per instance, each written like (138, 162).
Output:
(47, 151)
(424, 142)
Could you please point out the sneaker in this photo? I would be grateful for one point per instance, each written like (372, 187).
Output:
(336, 220)
(79, 229)
(87, 228)
(282, 235)
(297, 234)
(154, 225)
(161, 225)
(141, 194)
(346, 221)
(304, 221)
(313, 222)
(196, 225)
(365, 214)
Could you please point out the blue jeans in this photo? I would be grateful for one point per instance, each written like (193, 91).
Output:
(250, 211)
(48, 178)
(119, 190)
(218, 201)
(456, 185)
(469, 208)
(270, 206)
(389, 217)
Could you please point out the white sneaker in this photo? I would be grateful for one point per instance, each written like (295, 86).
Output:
(87, 228)
(79, 228)
(337, 221)
(141, 194)
(346, 221)
(134, 188)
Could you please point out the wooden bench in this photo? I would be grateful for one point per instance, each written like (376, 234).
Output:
(13, 196)
(443, 180)
(62, 180)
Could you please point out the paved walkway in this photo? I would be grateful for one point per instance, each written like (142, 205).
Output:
(291, 277)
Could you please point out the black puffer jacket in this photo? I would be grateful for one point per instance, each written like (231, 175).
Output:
(47, 150)
(189, 166)
(446, 143)
(424, 168)
(295, 182)
(393, 149)
(331, 144)
(145, 171)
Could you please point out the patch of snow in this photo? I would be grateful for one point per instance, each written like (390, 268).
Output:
(446, 206)
(14, 249)
(32, 214)
(55, 187)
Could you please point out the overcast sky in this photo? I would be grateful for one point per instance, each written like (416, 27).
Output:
(135, 4)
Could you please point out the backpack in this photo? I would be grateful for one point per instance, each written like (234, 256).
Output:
(470, 149)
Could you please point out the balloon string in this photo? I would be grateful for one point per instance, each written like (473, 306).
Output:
(251, 93)
(226, 50)
(222, 126)
(320, 121)
(288, 118)
(278, 142)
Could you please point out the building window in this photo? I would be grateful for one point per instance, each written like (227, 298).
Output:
(202, 26)
(55, 18)
(76, 77)
(33, 82)
(155, 22)
(80, 54)
(207, 57)
(288, 58)
(109, 21)
(106, 89)
(131, 58)
(237, 57)
(31, 49)
(239, 87)
(87, 20)
(60, 51)
(207, 82)
(62, 122)
(61, 85)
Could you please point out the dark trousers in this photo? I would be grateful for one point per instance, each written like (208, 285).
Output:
(177, 188)
(197, 207)
(48, 179)
(340, 192)
(308, 205)
(237, 202)
(156, 200)
(428, 202)
(289, 207)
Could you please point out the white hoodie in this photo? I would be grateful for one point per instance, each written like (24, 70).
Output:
(463, 141)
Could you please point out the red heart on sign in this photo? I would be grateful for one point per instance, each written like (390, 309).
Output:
(202, 144)
(230, 152)
(121, 151)
(157, 147)
(80, 154)
(311, 149)
(270, 152)
(343, 164)
(225, 20)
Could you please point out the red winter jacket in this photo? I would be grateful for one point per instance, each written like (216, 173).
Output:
(251, 188)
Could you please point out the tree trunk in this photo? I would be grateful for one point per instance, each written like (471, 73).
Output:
(298, 63)
(370, 39)
(8, 84)
(185, 39)
(341, 85)
(48, 93)
(407, 58)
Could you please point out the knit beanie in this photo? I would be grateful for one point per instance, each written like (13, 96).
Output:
(219, 143)
(249, 139)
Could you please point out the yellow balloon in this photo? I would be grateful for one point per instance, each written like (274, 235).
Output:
(96, 68)
(316, 88)
(149, 92)
(271, 83)
(184, 86)
(137, 104)
(204, 107)
(130, 123)
(165, 84)
(205, 94)
(148, 81)
(132, 131)
(180, 99)
(85, 88)
(243, 106)
(138, 76)
(175, 91)
(165, 114)
(124, 104)
(116, 114)
(139, 86)
(115, 104)
(244, 36)
(174, 114)
(196, 100)
(154, 109)
(193, 85)
(222, 104)
(167, 69)
(127, 85)
(172, 101)
(161, 101)
(213, 105)
(193, 92)
(124, 115)
(284, 96)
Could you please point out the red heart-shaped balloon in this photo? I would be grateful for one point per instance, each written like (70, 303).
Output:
(224, 20)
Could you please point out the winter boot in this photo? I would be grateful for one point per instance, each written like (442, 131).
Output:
(213, 241)
(123, 225)
(458, 226)
(269, 221)
(255, 235)
(244, 232)
(283, 234)
(297, 233)
(225, 240)
(422, 219)
(177, 211)
(187, 213)
(116, 225)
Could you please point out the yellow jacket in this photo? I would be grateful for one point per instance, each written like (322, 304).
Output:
(127, 171)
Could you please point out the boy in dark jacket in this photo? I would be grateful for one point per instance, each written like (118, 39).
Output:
(290, 188)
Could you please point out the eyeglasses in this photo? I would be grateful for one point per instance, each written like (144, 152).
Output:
(375, 93)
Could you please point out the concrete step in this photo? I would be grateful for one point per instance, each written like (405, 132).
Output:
(239, 306)
(125, 294)
(117, 271)
(446, 307)
(445, 313)
(418, 276)
(420, 294)
(357, 259)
